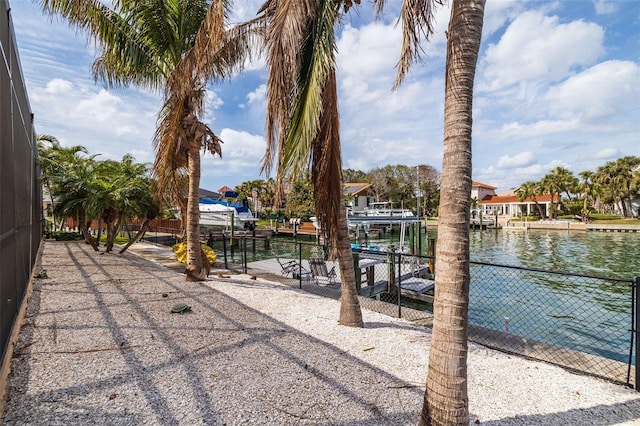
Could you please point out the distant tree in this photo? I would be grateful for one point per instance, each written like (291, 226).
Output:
(300, 202)
(588, 191)
(355, 176)
(76, 192)
(122, 190)
(429, 181)
(54, 159)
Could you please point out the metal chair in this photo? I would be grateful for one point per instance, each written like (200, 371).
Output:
(320, 273)
(290, 267)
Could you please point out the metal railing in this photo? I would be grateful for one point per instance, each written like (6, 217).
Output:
(582, 322)
(20, 191)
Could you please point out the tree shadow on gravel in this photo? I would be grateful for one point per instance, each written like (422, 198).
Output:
(223, 363)
(222, 358)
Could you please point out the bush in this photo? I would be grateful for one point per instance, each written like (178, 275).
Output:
(66, 236)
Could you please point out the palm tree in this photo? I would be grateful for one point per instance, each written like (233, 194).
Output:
(76, 191)
(629, 167)
(302, 120)
(54, 161)
(529, 191)
(588, 191)
(122, 190)
(178, 45)
(445, 400)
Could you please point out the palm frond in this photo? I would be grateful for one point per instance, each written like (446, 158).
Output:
(327, 163)
(417, 19)
(289, 21)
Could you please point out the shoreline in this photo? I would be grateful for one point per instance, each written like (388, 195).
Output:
(558, 225)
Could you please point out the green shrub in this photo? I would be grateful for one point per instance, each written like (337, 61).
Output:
(66, 236)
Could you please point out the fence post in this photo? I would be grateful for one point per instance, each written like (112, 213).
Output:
(636, 382)
(224, 250)
(300, 264)
(244, 254)
(399, 290)
(358, 271)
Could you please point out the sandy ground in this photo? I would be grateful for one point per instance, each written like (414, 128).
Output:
(100, 345)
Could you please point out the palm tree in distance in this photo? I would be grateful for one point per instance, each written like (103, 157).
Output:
(178, 46)
(529, 190)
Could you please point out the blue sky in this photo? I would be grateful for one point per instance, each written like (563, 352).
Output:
(557, 84)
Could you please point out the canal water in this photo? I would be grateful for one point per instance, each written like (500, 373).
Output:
(583, 313)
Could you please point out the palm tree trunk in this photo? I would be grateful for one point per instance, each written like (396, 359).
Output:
(194, 251)
(143, 229)
(446, 401)
(82, 224)
(350, 312)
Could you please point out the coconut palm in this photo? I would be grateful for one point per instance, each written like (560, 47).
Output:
(302, 120)
(53, 159)
(446, 400)
(589, 189)
(176, 45)
(629, 167)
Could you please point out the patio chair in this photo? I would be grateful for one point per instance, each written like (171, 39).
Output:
(290, 267)
(319, 272)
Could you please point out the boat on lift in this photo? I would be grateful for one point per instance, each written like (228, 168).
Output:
(222, 213)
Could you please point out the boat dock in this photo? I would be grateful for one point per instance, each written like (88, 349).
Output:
(413, 283)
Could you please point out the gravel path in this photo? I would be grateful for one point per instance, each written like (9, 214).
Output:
(100, 346)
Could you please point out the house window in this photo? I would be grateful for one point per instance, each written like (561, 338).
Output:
(356, 201)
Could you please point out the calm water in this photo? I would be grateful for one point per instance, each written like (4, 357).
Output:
(588, 314)
(599, 253)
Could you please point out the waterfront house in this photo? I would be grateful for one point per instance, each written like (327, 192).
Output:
(358, 196)
(507, 203)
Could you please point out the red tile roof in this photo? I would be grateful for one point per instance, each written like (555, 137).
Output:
(482, 185)
(497, 199)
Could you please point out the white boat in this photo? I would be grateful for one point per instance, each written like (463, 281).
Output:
(226, 214)
(378, 215)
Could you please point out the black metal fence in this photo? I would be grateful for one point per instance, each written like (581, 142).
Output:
(581, 322)
(20, 192)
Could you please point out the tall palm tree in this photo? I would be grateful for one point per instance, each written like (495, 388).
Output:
(446, 400)
(303, 123)
(175, 45)
(588, 191)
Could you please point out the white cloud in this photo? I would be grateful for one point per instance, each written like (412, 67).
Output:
(604, 90)
(58, 85)
(607, 154)
(101, 107)
(538, 47)
(258, 95)
(522, 159)
(606, 7)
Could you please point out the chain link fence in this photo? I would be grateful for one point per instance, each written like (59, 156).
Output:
(581, 322)
(20, 191)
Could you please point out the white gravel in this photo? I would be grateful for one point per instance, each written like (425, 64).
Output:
(100, 346)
